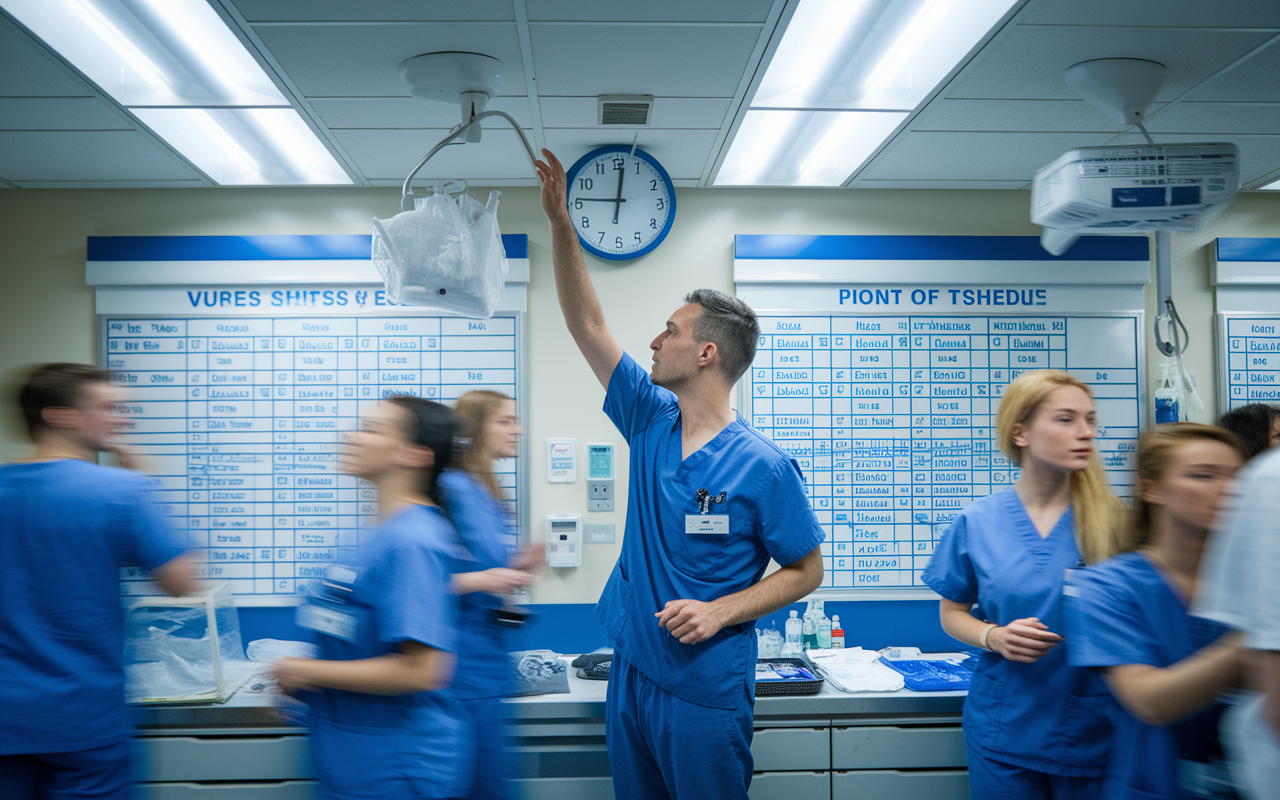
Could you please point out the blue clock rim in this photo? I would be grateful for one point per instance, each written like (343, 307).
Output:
(662, 173)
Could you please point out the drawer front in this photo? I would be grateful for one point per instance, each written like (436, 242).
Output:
(221, 758)
(790, 786)
(952, 784)
(564, 788)
(281, 790)
(897, 748)
(791, 749)
(561, 761)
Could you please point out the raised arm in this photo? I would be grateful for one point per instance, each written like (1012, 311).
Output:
(578, 301)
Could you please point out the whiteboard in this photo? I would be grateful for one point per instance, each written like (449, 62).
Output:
(238, 421)
(882, 361)
(244, 360)
(1248, 359)
(891, 418)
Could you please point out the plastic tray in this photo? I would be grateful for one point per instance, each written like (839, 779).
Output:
(785, 686)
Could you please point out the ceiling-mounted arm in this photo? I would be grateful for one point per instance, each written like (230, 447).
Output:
(406, 193)
(1172, 341)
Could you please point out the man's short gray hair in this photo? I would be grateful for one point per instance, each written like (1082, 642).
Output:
(730, 325)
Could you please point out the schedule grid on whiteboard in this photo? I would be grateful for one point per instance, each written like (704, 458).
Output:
(239, 421)
(1250, 359)
(892, 418)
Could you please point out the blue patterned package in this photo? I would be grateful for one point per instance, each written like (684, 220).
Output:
(931, 676)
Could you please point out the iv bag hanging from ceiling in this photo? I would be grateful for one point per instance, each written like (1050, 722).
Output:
(445, 253)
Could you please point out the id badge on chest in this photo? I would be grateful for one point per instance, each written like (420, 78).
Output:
(706, 522)
(328, 620)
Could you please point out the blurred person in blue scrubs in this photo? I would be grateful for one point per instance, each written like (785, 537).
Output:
(1127, 619)
(67, 526)
(1256, 425)
(382, 722)
(473, 498)
(710, 501)
(1035, 727)
(1240, 587)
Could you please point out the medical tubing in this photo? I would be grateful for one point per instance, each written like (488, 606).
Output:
(457, 131)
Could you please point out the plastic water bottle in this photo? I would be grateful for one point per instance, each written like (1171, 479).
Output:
(837, 633)
(824, 633)
(793, 645)
(809, 629)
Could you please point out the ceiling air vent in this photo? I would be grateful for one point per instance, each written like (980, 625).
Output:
(624, 109)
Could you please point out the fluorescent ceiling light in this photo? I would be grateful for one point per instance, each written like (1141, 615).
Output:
(247, 146)
(151, 52)
(177, 67)
(818, 148)
(882, 55)
(1273, 186)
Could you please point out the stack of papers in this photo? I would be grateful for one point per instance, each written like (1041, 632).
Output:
(855, 670)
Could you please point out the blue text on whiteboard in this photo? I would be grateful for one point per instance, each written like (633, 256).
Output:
(287, 298)
(1018, 297)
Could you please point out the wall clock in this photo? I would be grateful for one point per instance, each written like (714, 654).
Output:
(622, 203)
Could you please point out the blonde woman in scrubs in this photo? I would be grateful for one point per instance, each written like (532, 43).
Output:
(1035, 727)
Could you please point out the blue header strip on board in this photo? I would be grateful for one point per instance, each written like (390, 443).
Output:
(936, 248)
(251, 248)
(1240, 249)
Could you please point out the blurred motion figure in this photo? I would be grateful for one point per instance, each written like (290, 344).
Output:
(67, 525)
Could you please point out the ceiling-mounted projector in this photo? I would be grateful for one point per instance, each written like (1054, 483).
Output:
(1126, 188)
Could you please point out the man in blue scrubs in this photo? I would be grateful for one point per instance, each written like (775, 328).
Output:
(710, 502)
(67, 525)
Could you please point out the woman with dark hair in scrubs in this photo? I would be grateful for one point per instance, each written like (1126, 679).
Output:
(1127, 619)
(385, 618)
(1035, 727)
(478, 510)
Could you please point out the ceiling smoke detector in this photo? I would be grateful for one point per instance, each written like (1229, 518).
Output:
(624, 109)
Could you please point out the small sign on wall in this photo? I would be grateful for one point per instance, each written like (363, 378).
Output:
(562, 460)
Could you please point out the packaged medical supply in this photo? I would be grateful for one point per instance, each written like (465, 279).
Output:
(824, 633)
(786, 676)
(540, 672)
(853, 669)
(837, 633)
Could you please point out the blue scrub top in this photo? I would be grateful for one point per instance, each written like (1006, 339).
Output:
(1046, 716)
(484, 668)
(66, 529)
(394, 588)
(769, 517)
(1123, 612)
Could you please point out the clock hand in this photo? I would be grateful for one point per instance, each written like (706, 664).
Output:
(601, 199)
(618, 205)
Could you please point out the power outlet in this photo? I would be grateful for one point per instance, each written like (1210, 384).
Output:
(599, 495)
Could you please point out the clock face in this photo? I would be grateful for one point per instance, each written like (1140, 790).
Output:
(622, 205)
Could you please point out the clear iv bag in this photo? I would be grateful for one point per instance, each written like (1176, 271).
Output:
(446, 254)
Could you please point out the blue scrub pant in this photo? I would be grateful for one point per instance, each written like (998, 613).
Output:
(98, 774)
(995, 780)
(491, 778)
(665, 748)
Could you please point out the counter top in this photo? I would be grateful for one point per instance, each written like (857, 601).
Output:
(585, 701)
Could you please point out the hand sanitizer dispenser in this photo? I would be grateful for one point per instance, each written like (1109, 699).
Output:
(564, 540)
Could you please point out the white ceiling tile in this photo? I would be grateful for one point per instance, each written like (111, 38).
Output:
(925, 156)
(1030, 61)
(364, 60)
(390, 154)
(60, 113)
(668, 112)
(1252, 81)
(27, 69)
(869, 184)
(1218, 119)
(683, 153)
(649, 11)
(1015, 115)
(1169, 13)
(665, 61)
(1259, 155)
(385, 10)
(87, 156)
(411, 112)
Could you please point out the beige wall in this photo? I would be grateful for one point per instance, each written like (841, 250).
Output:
(46, 311)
